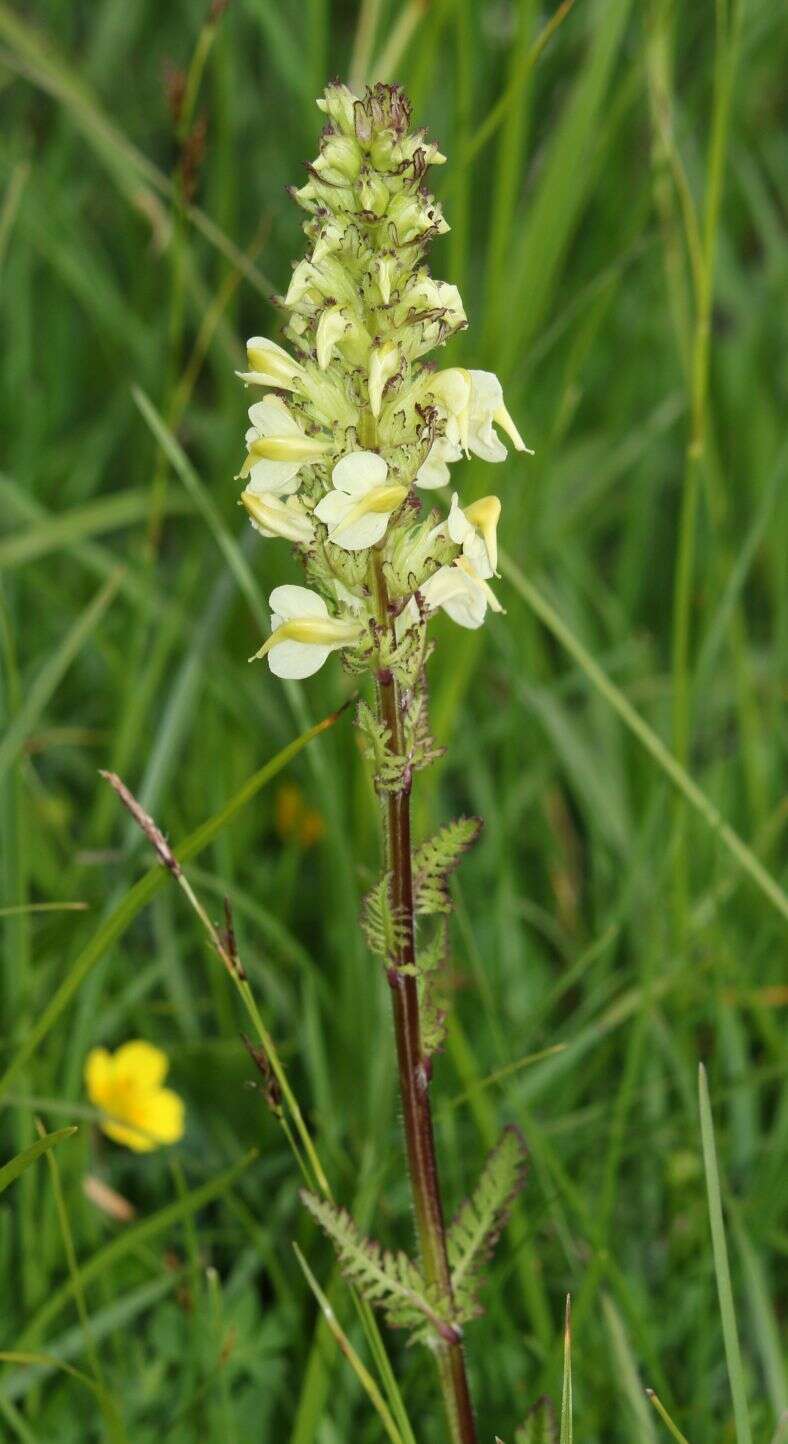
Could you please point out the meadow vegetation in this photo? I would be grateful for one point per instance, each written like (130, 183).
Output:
(613, 195)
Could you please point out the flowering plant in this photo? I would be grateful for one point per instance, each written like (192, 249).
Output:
(127, 1085)
(354, 423)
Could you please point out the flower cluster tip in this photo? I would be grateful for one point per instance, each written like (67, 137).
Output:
(354, 422)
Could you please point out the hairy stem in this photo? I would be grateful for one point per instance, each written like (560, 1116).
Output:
(414, 1066)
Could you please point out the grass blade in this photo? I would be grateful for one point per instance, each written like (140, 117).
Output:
(626, 1372)
(665, 1417)
(106, 513)
(11, 1170)
(362, 1374)
(566, 1391)
(107, 1403)
(721, 1265)
(681, 779)
(231, 551)
(52, 673)
(766, 1334)
(156, 878)
(132, 1238)
(109, 1322)
(108, 1408)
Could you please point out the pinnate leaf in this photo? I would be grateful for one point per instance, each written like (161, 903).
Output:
(479, 1220)
(387, 1280)
(436, 859)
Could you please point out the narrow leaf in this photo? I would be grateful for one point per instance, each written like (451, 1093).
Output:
(566, 1393)
(665, 1417)
(626, 1373)
(38, 694)
(132, 1239)
(11, 1170)
(647, 737)
(126, 910)
(721, 1266)
(362, 1373)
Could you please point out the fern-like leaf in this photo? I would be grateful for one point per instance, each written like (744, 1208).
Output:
(380, 924)
(420, 746)
(432, 968)
(375, 736)
(390, 1281)
(436, 859)
(541, 1424)
(479, 1220)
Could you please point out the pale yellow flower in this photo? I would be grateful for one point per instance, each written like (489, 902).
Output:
(127, 1087)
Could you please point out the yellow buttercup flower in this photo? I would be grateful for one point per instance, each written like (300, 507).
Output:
(127, 1087)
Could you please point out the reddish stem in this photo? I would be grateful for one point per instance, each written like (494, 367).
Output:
(414, 1067)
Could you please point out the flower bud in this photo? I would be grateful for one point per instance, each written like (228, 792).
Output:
(272, 516)
(384, 362)
(386, 267)
(302, 284)
(271, 365)
(339, 159)
(330, 328)
(373, 193)
(338, 103)
(329, 237)
(414, 215)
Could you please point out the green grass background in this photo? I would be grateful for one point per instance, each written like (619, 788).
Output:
(616, 235)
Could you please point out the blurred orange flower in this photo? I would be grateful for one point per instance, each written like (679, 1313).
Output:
(295, 822)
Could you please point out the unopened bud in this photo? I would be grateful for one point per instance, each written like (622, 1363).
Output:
(330, 328)
(272, 516)
(271, 365)
(384, 362)
(339, 159)
(386, 268)
(373, 193)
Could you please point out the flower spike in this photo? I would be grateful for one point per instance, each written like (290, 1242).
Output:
(353, 425)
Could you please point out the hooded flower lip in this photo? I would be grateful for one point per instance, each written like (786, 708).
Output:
(475, 529)
(277, 448)
(271, 365)
(461, 592)
(331, 328)
(303, 634)
(472, 402)
(486, 406)
(358, 508)
(272, 516)
(384, 363)
(127, 1087)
